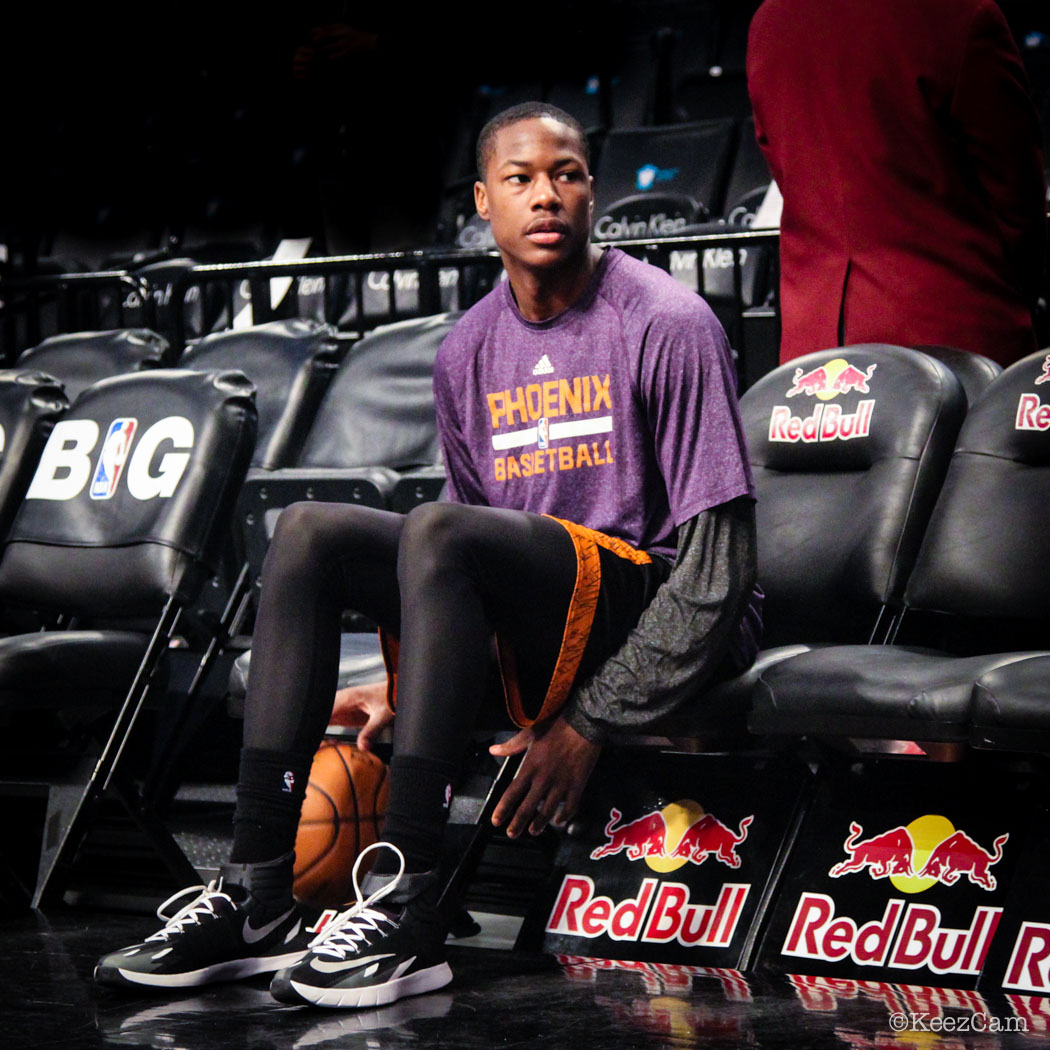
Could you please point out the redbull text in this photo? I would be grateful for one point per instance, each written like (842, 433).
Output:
(827, 422)
(660, 913)
(1029, 966)
(1032, 414)
(909, 938)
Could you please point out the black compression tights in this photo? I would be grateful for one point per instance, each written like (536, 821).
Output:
(442, 578)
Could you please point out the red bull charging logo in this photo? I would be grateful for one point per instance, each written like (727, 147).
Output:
(1044, 376)
(829, 380)
(927, 851)
(827, 422)
(680, 833)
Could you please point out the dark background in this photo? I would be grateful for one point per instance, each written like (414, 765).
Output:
(163, 126)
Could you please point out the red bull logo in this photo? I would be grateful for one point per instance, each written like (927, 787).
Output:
(927, 851)
(831, 379)
(660, 913)
(827, 422)
(680, 833)
(1044, 376)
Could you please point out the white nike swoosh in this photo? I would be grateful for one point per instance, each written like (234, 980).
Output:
(348, 964)
(252, 935)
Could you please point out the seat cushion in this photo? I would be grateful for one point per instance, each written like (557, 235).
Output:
(60, 669)
(872, 691)
(1011, 706)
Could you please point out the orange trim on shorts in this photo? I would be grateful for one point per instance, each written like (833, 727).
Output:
(391, 649)
(578, 622)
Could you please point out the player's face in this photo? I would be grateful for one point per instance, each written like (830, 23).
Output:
(537, 194)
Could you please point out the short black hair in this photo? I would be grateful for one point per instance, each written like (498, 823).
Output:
(518, 113)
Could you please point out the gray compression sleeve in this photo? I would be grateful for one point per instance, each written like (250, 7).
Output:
(684, 634)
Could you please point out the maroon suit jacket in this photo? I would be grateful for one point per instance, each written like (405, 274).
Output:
(904, 140)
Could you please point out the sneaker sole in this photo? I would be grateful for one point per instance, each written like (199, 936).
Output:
(232, 970)
(285, 990)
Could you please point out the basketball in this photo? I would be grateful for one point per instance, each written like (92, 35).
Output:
(342, 814)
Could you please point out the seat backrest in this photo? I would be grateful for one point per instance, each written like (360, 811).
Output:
(849, 448)
(986, 553)
(975, 371)
(379, 409)
(749, 178)
(79, 359)
(686, 162)
(132, 495)
(290, 363)
(30, 405)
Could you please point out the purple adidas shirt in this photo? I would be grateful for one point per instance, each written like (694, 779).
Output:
(619, 414)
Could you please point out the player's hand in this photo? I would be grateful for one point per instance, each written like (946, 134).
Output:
(365, 706)
(550, 782)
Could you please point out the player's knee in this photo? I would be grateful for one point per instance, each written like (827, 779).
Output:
(295, 534)
(434, 535)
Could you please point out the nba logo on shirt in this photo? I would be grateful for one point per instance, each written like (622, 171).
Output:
(112, 458)
(543, 432)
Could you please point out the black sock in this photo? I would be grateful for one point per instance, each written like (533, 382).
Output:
(416, 813)
(270, 792)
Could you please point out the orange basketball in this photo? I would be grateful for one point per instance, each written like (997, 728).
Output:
(342, 814)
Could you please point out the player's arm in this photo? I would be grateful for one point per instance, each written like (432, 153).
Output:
(686, 633)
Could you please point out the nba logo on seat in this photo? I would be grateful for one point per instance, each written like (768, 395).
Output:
(112, 458)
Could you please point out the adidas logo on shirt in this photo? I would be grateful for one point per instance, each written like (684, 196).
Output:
(543, 367)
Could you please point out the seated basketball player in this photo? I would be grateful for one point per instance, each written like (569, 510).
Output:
(600, 527)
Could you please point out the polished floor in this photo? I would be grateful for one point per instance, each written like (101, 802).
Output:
(499, 998)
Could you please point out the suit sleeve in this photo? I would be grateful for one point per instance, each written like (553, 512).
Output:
(691, 626)
(999, 128)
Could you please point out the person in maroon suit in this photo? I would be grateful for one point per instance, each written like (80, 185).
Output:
(908, 151)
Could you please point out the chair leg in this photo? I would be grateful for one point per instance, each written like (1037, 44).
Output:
(470, 829)
(73, 804)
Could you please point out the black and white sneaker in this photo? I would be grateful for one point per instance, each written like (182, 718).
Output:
(372, 953)
(223, 933)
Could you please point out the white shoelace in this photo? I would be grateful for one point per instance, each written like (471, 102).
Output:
(349, 928)
(201, 905)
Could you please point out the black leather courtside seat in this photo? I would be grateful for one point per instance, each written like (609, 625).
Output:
(975, 371)
(375, 422)
(120, 526)
(982, 574)
(653, 182)
(290, 363)
(78, 359)
(849, 448)
(30, 405)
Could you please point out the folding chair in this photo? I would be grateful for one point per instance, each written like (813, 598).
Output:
(120, 526)
(848, 448)
(79, 359)
(977, 591)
